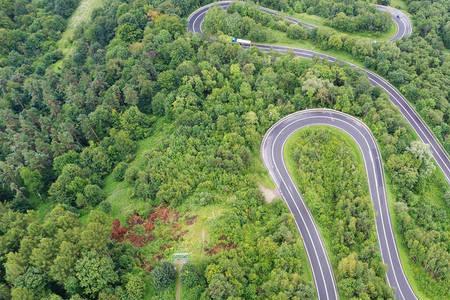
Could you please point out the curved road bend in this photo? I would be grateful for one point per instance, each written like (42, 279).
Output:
(401, 20)
(323, 275)
(272, 153)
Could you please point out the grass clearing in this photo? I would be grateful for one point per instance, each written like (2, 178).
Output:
(119, 194)
(197, 237)
(81, 15)
(436, 189)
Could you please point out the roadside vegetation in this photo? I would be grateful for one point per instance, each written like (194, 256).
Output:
(417, 65)
(311, 154)
(145, 142)
(320, 22)
(327, 167)
(425, 281)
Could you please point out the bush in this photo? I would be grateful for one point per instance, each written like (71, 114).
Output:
(135, 287)
(258, 34)
(296, 32)
(131, 175)
(164, 275)
(447, 197)
(203, 198)
(92, 195)
(4, 291)
(119, 171)
(105, 206)
(192, 276)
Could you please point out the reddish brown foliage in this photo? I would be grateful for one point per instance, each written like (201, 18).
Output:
(118, 232)
(221, 246)
(164, 214)
(135, 219)
(139, 238)
(121, 234)
(149, 226)
(136, 240)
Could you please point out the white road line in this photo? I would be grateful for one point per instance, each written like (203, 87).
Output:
(401, 102)
(306, 227)
(376, 192)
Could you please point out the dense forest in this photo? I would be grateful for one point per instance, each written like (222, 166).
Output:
(65, 131)
(28, 35)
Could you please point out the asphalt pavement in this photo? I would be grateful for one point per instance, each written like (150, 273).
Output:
(272, 152)
(401, 20)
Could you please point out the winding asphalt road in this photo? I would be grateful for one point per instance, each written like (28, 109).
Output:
(272, 153)
(404, 27)
(401, 20)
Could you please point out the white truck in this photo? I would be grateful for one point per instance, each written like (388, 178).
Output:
(241, 41)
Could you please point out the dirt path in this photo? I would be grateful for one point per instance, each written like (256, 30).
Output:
(178, 288)
(269, 194)
(179, 266)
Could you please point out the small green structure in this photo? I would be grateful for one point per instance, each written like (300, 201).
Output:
(180, 258)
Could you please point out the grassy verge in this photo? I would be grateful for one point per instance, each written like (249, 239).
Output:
(306, 272)
(400, 4)
(259, 173)
(281, 39)
(321, 23)
(408, 266)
